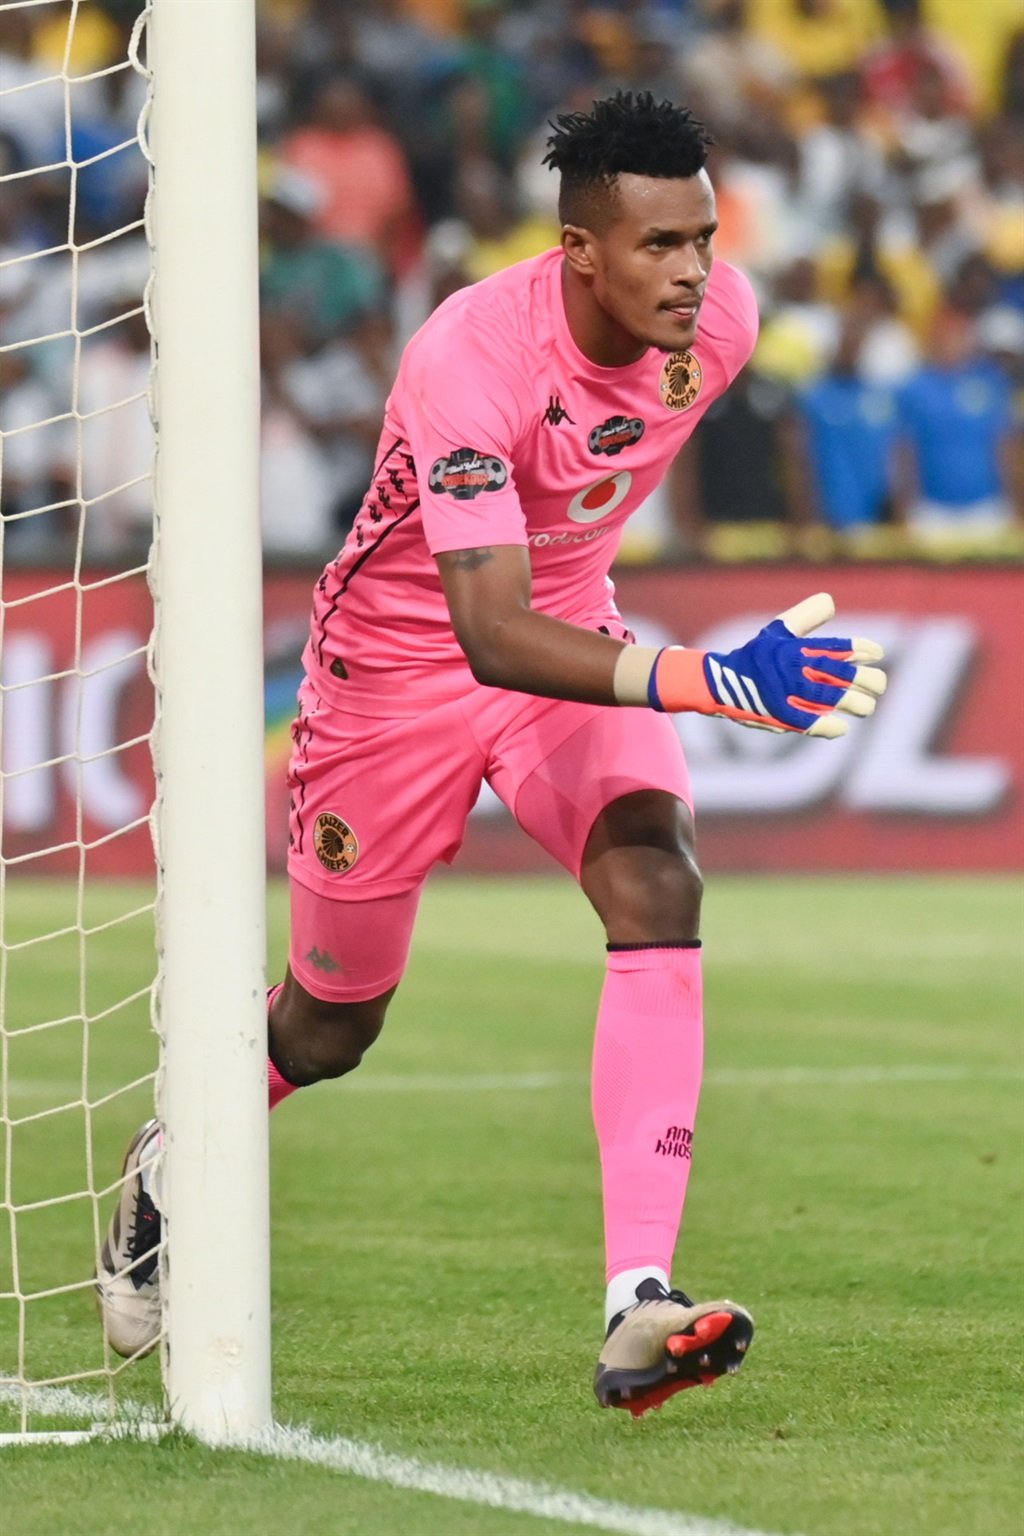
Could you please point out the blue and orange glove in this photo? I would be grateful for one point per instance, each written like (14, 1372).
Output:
(775, 682)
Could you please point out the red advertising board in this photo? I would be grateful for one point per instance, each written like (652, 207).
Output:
(932, 782)
(77, 712)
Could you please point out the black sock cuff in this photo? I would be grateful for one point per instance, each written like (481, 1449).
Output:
(615, 949)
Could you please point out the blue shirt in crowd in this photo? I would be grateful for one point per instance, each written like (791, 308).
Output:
(851, 428)
(955, 419)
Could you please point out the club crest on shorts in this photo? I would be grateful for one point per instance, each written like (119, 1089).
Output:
(681, 379)
(465, 473)
(616, 433)
(337, 846)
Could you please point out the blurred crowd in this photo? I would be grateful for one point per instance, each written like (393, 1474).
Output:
(869, 167)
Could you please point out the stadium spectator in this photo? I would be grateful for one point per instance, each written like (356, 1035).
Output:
(1011, 82)
(498, 232)
(930, 135)
(997, 202)
(839, 163)
(889, 351)
(504, 84)
(295, 482)
(874, 241)
(323, 406)
(946, 235)
(894, 71)
(729, 72)
(328, 283)
(850, 429)
(1000, 336)
(961, 478)
(361, 171)
(801, 331)
(112, 399)
(35, 459)
(111, 178)
(33, 118)
(758, 218)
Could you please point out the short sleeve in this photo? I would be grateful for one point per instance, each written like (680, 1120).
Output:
(731, 321)
(460, 406)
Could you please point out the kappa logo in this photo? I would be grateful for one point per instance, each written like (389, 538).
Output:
(323, 960)
(616, 433)
(681, 380)
(337, 846)
(465, 473)
(556, 413)
(601, 498)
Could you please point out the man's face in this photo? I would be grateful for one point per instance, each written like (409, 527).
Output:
(651, 264)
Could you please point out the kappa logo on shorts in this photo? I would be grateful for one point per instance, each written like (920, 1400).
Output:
(467, 472)
(616, 433)
(337, 846)
(681, 379)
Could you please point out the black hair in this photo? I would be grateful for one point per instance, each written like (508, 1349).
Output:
(623, 133)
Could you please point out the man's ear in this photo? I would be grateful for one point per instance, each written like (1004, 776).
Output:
(578, 245)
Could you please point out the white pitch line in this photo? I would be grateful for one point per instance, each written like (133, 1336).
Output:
(373, 1463)
(525, 1082)
(724, 1077)
(913, 1073)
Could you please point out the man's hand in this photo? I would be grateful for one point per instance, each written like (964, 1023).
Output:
(776, 682)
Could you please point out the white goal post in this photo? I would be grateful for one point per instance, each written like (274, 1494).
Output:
(209, 647)
(204, 570)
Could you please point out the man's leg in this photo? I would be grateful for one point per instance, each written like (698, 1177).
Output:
(309, 1039)
(345, 961)
(365, 944)
(375, 805)
(639, 871)
(607, 793)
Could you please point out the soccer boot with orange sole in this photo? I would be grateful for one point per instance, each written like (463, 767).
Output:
(128, 1276)
(666, 1342)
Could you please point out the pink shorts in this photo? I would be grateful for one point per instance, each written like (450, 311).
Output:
(376, 803)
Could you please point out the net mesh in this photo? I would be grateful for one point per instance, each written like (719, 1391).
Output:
(77, 955)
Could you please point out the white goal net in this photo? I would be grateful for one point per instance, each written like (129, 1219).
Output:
(97, 956)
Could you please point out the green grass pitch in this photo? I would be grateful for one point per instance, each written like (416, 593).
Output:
(437, 1280)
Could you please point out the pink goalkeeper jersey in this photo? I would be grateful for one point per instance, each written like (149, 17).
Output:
(499, 431)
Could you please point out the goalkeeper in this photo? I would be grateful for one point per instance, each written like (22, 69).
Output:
(467, 631)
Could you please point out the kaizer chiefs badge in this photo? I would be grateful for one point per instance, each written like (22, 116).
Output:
(337, 846)
(681, 379)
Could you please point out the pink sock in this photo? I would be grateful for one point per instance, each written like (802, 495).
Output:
(648, 1058)
(278, 1087)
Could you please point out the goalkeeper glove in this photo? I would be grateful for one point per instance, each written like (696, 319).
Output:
(774, 682)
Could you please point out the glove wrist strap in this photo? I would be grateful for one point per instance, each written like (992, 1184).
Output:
(634, 669)
(670, 679)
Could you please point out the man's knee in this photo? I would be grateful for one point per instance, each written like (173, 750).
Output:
(640, 870)
(652, 896)
(311, 1039)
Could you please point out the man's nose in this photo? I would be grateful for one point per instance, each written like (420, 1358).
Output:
(692, 268)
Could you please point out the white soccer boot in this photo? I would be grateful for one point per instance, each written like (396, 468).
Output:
(665, 1342)
(128, 1275)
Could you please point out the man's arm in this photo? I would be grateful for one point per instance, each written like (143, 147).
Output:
(508, 644)
(774, 682)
